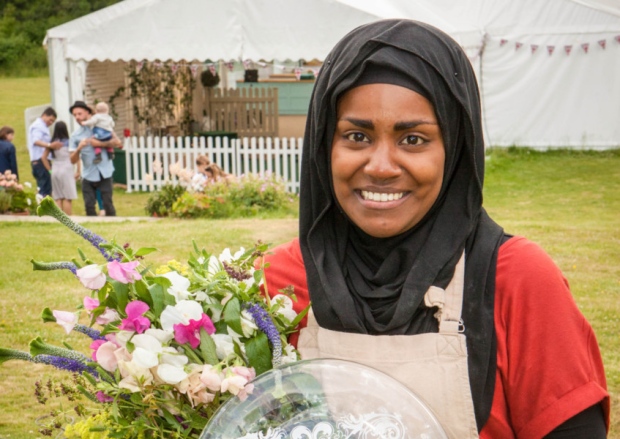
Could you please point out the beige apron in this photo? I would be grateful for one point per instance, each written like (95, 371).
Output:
(433, 366)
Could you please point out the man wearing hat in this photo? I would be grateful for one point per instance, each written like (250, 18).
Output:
(94, 175)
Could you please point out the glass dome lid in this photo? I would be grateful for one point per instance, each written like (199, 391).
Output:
(321, 399)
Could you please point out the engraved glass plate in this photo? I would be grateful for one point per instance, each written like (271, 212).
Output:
(325, 399)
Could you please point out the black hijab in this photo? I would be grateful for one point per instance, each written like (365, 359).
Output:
(358, 283)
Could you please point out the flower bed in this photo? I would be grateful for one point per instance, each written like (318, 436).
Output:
(15, 197)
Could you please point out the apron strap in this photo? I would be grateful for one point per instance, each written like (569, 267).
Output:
(449, 301)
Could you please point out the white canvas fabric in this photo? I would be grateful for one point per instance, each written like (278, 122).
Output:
(529, 97)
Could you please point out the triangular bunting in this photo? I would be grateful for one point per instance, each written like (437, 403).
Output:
(585, 47)
(567, 49)
(230, 66)
(174, 68)
(298, 73)
(212, 69)
(139, 66)
(617, 38)
(518, 45)
(534, 47)
(550, 49)
(602, 43)
(502, 42)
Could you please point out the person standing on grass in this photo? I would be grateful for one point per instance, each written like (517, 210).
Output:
(94, 175)
(63, 174)
(38, 140)
(8, 158)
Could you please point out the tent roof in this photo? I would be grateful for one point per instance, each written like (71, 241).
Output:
(209, 29)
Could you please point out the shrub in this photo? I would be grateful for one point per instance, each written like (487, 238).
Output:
(252, 192)
(13, 196)
(160, 203)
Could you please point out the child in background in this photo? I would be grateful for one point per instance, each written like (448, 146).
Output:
(102, 125)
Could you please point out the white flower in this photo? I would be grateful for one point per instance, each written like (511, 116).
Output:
(182, 312)
(179, 286)
(224, 345)
(132, 375)
(160, 334)
(227, 257)
(214, 265)
(289, 355)
(28, 184)
(247, 324)
(286, 306)
(65, 319)
(91, 276)
(122, 337)
(150, 353)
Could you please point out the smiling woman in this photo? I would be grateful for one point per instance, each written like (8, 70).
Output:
(405, 270)
(387, 158)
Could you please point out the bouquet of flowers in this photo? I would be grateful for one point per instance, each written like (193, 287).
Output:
(170, 344)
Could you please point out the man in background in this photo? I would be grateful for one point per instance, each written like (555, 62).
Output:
(95, 175)
(38, 139)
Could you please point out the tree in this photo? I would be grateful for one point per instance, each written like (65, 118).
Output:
(23, 25)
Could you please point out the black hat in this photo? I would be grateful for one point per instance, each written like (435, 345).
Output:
(80, 104)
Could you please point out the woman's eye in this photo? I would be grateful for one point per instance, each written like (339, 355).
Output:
(357, 137)
(412, 140)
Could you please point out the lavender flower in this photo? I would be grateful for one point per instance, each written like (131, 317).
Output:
(236, 273)
(49, 207)
(48, 266)
(266, 325)
(63, 363)
(39, 347)
(87, 330)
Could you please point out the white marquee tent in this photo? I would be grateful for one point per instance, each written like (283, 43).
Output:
(548, 71)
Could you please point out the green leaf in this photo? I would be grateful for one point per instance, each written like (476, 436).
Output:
(258, 352)
(120, 293)
(165, 284)
(300, 316)
(142, 291)
(207, 348)
(157, 293)
(232, 315)
(47, 316)
(86, 393)
(145, 251)
(68, 346)
(82, 255)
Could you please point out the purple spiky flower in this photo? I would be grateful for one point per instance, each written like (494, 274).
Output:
(266, 325)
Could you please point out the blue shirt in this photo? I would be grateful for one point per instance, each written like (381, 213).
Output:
(90, 170)
(37, 131)
(8, 159)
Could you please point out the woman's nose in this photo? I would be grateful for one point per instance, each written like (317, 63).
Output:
(382, 163)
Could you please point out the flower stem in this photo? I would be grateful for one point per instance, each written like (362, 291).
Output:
(48, 207)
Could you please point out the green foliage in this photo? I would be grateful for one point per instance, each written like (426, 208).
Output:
(249, 196)
(160, 203)
(23, 25)
(253, 191)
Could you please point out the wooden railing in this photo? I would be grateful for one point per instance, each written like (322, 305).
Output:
(249, 112)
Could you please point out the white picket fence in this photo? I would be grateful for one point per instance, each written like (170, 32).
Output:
(149, 160)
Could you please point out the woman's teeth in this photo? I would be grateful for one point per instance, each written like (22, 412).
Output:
(376, 196)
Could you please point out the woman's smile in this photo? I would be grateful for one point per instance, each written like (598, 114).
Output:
(387, 158)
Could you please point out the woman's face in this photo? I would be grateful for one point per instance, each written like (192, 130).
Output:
(387, 158)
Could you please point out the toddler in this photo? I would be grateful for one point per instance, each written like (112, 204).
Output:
(103, 125)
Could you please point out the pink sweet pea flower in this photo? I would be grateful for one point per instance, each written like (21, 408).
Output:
(190, 333)
(65, 319)
(108, 316)
(90, 303)
(124, 272)
(95, 345)
(91, 276)
(135, 321)
(102, 397)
